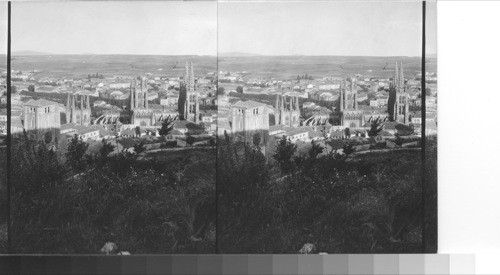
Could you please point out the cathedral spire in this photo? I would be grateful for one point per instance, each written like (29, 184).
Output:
(341, 90)
(132, 95)
(68, 102)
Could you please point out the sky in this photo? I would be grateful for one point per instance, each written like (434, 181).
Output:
(431, 28)
(321, 28)
(3, 29)
(115, 27)
(201, 28)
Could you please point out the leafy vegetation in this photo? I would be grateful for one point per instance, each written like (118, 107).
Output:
(341, 203)
(74, 204)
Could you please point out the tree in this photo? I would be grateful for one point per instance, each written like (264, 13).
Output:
(256, 139)
(375, 128)
(106, 148)
(347, 132)
(139, 147)
(76, 154)
(391, 102)
(167, 125)
(48, 137)
(190, 139)
(348, 149)
(285, 150)
(220, 91)
(315, 150)
(31, 88)
(239, 89)
(398, 141)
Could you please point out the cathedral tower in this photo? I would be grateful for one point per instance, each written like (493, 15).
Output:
(287, 113)
(78, 109)
(191, 108)
(400, 110)
(350, 115)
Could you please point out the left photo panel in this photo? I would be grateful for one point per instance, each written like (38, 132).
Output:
(113, 127)
(4, 205)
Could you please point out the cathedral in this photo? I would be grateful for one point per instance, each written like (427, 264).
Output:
(400, 109)
(350, 115)
(142, 114)
(78, 109)
(188, 99)
(287, 115)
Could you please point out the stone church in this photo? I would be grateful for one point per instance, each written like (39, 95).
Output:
(350, 114)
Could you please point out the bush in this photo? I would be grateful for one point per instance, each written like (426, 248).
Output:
(343, 205)
(148, 206)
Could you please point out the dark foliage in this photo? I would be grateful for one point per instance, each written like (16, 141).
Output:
(285, 150)
(167, 125)
(75, 156)
(145, 206)
(375, 128)
(341, 204)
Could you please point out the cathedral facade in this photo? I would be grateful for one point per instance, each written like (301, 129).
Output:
(78, 109)
(287, 113)
(400, 109)
(141, 113)
(350, 114)
(189, 107)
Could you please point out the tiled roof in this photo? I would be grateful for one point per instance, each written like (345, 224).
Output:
(276, 127)
(248, 104)
(40, 102)
(296, 132)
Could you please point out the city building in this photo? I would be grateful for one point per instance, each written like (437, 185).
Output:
(350, 115)
(287, 113)
(188, 99)
(143, 114)
(78, 109)
(400, 109)
(41, 119)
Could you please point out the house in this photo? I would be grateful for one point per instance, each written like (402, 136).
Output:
(174, 134)
(298, 135)
(99, 103)
(170, 100)
(277, 130)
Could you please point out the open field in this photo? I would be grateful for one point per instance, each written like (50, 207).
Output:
(109, 65)
(259, 66)
(321, 66)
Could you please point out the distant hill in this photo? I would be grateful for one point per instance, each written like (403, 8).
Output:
(29, 53)
(237, 54)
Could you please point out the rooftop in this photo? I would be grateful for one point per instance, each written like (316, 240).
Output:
(248, 104)
(40, 103)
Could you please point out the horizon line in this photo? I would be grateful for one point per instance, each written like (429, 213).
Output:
(220, 55)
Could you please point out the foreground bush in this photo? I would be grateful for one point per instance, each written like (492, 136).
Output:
(370, 204)
(143, 206)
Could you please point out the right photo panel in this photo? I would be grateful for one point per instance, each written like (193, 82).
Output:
(320, 128)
